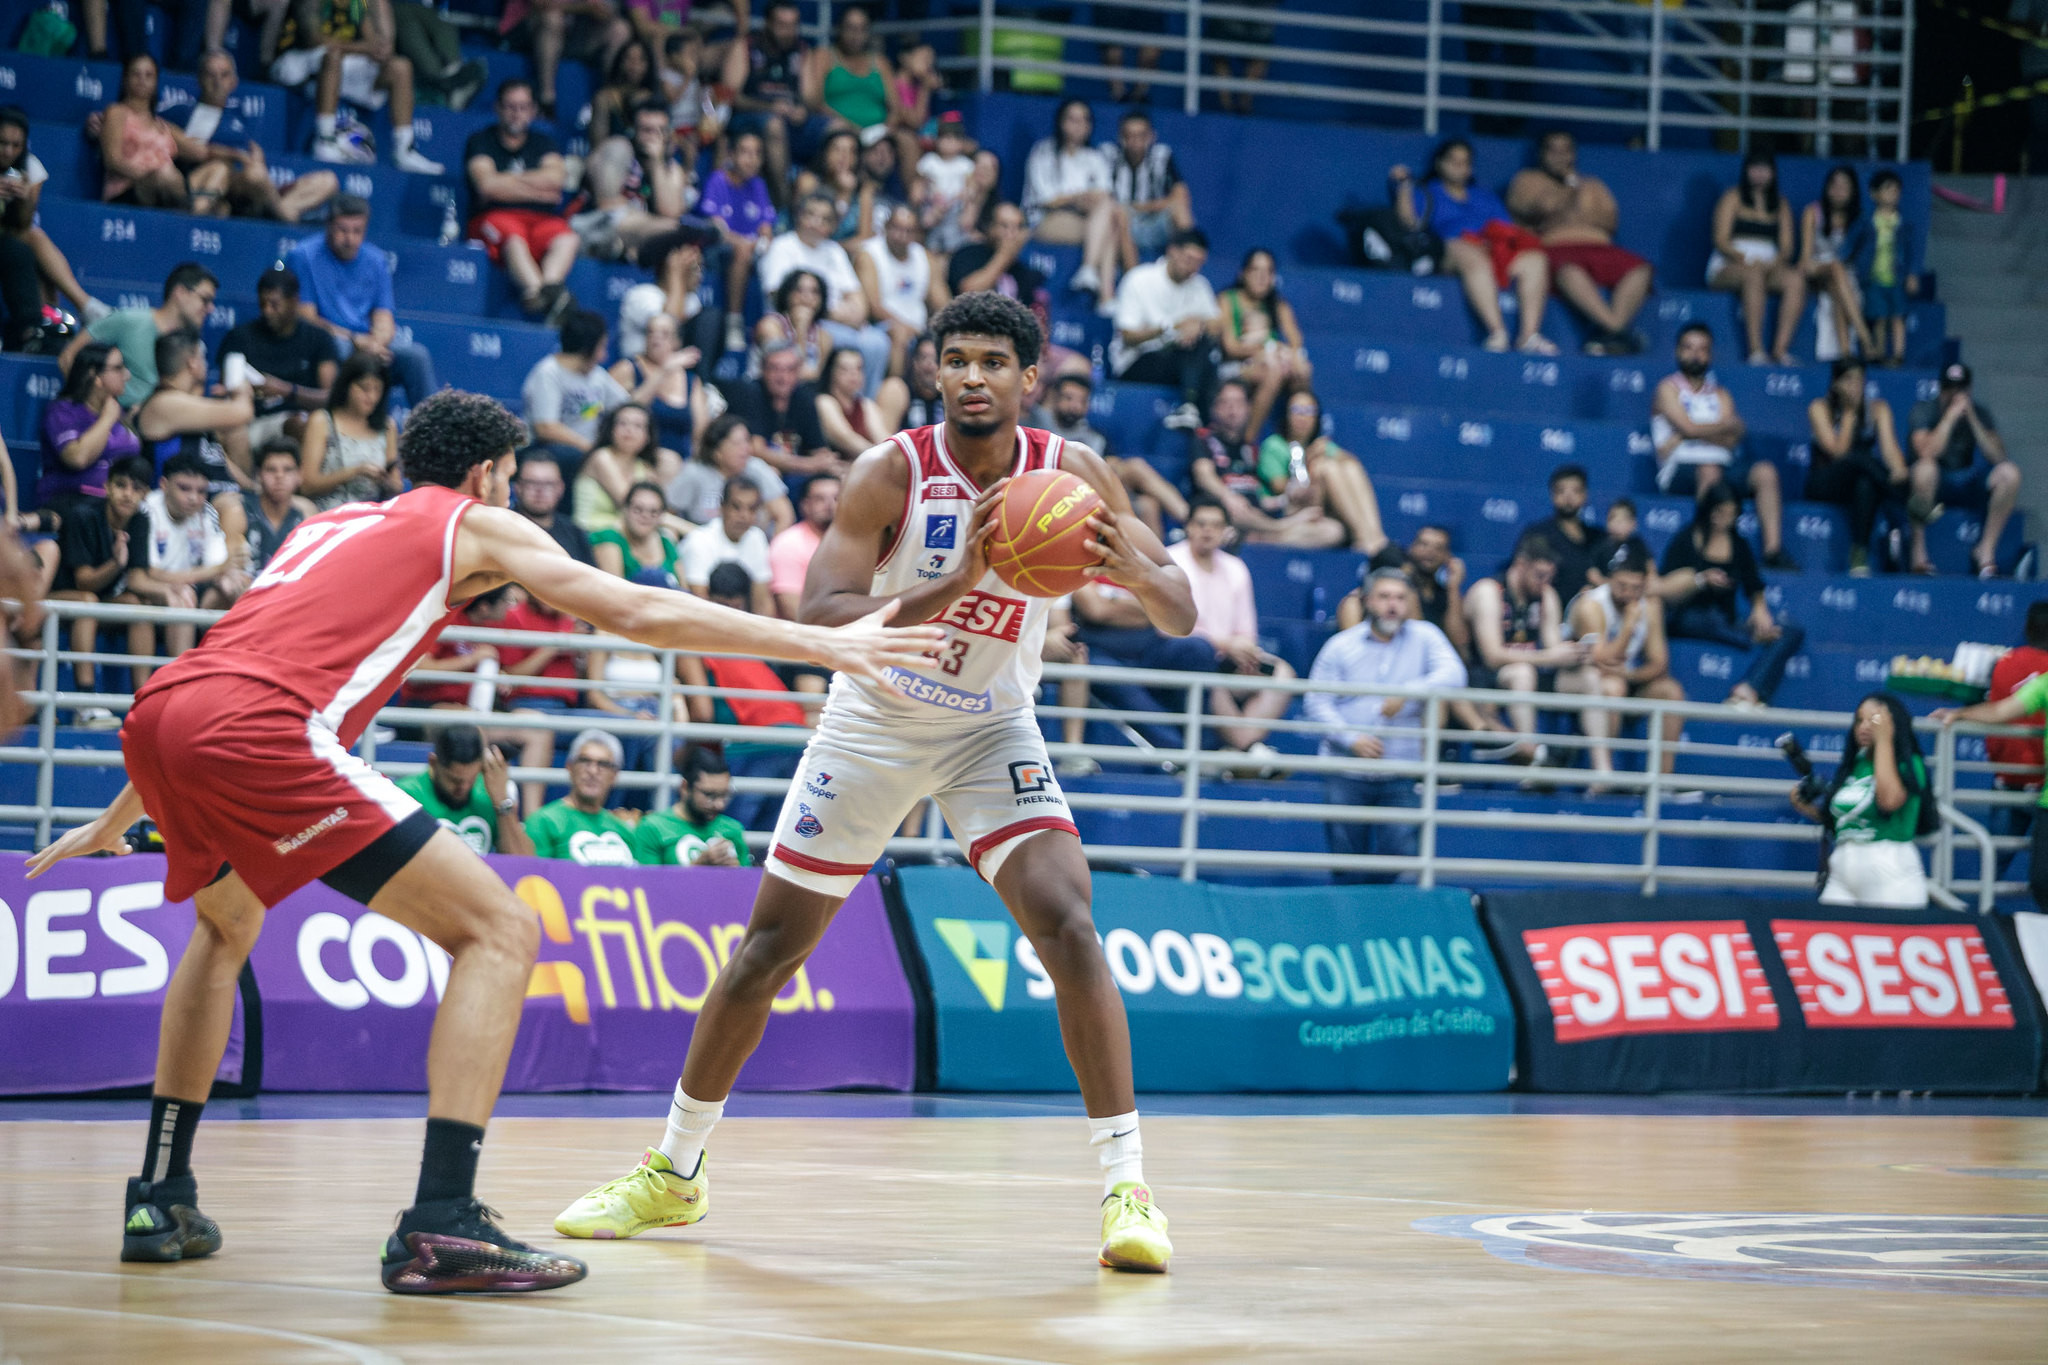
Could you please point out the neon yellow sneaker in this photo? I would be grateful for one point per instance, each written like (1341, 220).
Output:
(652, 1195)
(1133, 1231)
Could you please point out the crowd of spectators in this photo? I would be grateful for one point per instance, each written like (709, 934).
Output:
(837, 186)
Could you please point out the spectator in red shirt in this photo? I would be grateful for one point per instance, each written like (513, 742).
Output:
(731, 586)
(2011, 674)
(461, 656)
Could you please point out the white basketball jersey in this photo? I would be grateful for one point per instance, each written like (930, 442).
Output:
(990, 661)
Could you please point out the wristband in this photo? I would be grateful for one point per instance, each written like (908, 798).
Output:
(506, 806)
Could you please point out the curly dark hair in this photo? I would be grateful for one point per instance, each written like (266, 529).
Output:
(453, 432)
(989, 314)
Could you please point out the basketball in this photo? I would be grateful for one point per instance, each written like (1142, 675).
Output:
(1040, 544)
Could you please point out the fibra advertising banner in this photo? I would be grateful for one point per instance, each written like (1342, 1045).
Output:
(1227, 988)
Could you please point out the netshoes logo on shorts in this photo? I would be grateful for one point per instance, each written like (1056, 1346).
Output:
(933, 693)
(312, 831)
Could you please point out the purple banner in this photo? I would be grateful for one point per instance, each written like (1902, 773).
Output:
(85, 953)
(348, 996)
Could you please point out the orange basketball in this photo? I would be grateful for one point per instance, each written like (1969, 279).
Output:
(1040, 544)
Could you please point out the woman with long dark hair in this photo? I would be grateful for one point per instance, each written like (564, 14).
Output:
(83, 434)
(1260, 337)
(1706, 567)
(350, 449)
(634, 75)
(1826, 232)
(1754, 256)
(1875, 807)
(1483, 246)
(1857, 463)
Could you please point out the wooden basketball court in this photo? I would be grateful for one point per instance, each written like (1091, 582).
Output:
(969, 1239)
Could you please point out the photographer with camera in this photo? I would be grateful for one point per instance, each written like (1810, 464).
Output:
(1871, 812)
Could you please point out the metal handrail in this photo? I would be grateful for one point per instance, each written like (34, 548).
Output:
(1634, 44)
(1189, 763)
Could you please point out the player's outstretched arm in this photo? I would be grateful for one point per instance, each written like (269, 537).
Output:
(1132, 556)
(497, 546)
(872, 502)
(101, 835)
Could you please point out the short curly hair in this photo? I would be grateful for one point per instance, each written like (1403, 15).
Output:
(989, 314)
(453, 432)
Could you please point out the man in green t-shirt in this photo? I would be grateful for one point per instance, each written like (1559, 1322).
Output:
(2029, 699)
(698, 832)
(464, 787)
(578, 827)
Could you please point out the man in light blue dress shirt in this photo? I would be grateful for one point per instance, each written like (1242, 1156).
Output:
(1391, 649)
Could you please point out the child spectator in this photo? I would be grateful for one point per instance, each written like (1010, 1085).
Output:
(1883, 254)
(275, 509)
(95, 546)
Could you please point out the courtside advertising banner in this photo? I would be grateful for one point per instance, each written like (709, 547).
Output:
(348, 996)
(1227, 988)
(1619, 993)
(85, 953)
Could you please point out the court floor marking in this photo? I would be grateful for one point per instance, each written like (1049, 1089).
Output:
(362, 1355)
(523, 1303)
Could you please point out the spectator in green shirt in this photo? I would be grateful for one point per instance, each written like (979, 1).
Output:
(578, 827)
(1873, 810)
(466, 788)
(698, 832)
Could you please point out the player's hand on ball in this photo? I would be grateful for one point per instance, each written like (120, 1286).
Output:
(1121, 562)
(77, 843)
(870, 646)
(981, 527)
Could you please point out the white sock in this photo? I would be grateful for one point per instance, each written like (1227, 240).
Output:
(323, 124)
(689, 1126)
(401, 139)
(1123, 1151)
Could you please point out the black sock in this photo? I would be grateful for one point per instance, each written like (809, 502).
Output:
(448, 1165)
(171, 1126)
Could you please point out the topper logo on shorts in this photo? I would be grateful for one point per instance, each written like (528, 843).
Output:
(982, 613)
(312, 831)
(937, 693)
(1680, 976)
(808, 826)
(1935, 1252)
(816, 785)
(939, 532)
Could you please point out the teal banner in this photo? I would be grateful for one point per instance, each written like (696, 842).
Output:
(1227, 988)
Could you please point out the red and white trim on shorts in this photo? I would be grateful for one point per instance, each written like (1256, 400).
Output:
(995, 839)
(804, 862)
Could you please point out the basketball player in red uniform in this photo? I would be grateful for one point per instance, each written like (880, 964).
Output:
(913, 525)
(239, 751)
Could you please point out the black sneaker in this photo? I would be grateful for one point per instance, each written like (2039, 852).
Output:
(165, 1224)
(557, 301)
(1781, 559)
(455, 1246)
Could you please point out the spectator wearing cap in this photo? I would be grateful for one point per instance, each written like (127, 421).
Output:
(345, 284)
(1390, 649)
(1959, 460)
(1629, 658)
(579, 828)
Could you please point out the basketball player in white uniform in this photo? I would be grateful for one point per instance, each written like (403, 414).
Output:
(912, 526)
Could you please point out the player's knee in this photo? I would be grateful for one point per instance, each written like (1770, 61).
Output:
(1063, 931)
(764, 962)
(236, 931)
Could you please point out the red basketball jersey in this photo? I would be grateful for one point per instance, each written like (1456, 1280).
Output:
(351, 600)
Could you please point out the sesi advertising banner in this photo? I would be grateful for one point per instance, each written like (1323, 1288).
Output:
(1618, 993)
(85, 953)
(348, 996)
(1226, 988)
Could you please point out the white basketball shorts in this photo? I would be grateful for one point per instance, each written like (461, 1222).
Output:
(860, 777)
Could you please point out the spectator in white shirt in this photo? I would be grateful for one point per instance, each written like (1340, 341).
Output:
(732, 537)
(1391, 650)
(896, 275)
(568, 393)
(1163, 311)
(182, 558)
(848, 319)
(789, 554)
(1069, 199)
(1227, 616)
